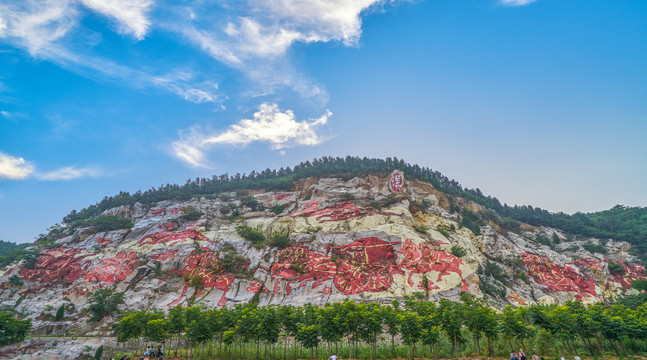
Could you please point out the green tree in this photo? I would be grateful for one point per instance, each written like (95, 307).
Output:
(60, 313)
(104, 302)
(308, 336)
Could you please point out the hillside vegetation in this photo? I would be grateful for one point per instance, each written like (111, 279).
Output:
(619, 223)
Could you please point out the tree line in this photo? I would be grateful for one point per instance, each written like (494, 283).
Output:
(415, 328)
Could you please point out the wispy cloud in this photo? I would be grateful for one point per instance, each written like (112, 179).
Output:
(131, 15)
(14, 168)
(17, 168)
(516, 2)
(269, 125)
(69, 173)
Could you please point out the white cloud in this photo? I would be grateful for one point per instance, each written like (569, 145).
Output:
(270, 125)
(131, 15)
(516, 2)
(14, 168)
(68, 173)
(6, 114)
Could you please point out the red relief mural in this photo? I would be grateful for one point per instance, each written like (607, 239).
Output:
(280, 196)
(420, 259)
(630, 274)
(205, 266)
(340, 211)
(590, 263)
(171, 238)
(169, 226)
(112, 270)
(364, 265)
(158, 212)
(103, 241)
(60, 265)
(396, 182)
(558, 278)
(165, 255)
(257, 287)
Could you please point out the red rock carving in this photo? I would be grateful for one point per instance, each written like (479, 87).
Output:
(169, 254)
(590, 263)
(280, 196)
(396, 182)
(172, 238)
(364, 265)
(340, 211)
(205, 265)
(113, 269)
(558, 278)
(60, 265)
(420, 259)
(103, 241)
(158, 212)
(630, 274)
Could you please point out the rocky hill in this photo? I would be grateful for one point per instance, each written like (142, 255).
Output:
(370, 238)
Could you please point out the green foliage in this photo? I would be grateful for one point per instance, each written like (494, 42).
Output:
(255, 235)
(493, 270)
(104, 223)
(12, 330)
(542, 239)
(15, 280)
(490, 288)
(421, 229)
(615, 268)
(190, 213)
(556, 239)
(277, 209)
(226, 209)
(279, 239)
(98, 353)
(471, 220)
(385, 202)
(60, 313)
(348, 196)
(231, 262)
(444, 229)
(639, 284)
(10, 252)
(30, 258)
(252, 203)
(458, 251)
(104, 302)
(594, 248)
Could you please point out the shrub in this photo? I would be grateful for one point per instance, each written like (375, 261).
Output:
(458, 251)
(444, 230)
(232, 263)
(191, 213)
(277, 209)
(104, 302)
(254, 235)
(12, 330)
(594, 248)
(104, 223)
(493, 270)
(15, 280)
(490, 288)
(252, 203)
(30, 258)
(279, 239)
(542, 239)
(615, 268)
(348, 196)
(420, 229)
(98, 353)
(60, 313)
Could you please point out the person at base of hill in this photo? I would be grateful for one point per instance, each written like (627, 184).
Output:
(332, 357)
(535, 357)
(522, 355)
(514, 356)
(576, 358)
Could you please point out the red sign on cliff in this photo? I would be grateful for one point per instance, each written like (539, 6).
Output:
(397, 180)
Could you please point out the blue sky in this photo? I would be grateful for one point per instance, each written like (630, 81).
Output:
(534, 102)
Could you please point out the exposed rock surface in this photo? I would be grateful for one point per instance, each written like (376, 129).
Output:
(369, 239)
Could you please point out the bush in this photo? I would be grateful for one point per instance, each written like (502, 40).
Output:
(490, 288)
(104, 223)
(420, 229)
(444, 230)
(279, 239)
(98, 353)
(458, 251)
(104, 302)
(615, 268)
(15, 280)
(252, 203)
(30, 258)
(254, 235)
(277, 209)
(493, 270)
(542, 239)
(232, 263)
(12, 330)
(190, 213)
(594, 248)
(60, 313)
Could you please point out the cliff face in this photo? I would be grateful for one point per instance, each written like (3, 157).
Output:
(375, 238)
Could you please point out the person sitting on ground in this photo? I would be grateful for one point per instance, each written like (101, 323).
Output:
(535, 357)
(332, 357)
(522, 355)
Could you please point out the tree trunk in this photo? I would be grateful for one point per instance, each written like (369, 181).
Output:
(478, 346)
(312, 353)
(615, 348)
(393, 346)
(489, 346)
(622, 346)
